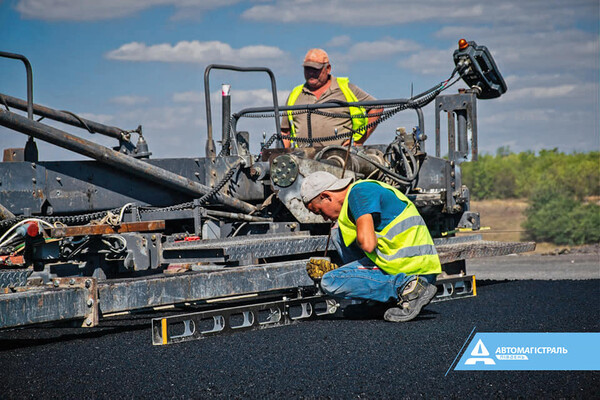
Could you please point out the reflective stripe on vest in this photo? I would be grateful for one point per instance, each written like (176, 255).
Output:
(357, 123)
(404, 245)
(291, 101)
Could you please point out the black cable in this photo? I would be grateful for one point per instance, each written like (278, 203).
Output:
(78, 118)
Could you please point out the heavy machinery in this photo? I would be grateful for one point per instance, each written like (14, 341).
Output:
(83, 240)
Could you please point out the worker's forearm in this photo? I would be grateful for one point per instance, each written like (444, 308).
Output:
(286, 143)
(365, 233)
(367, 245)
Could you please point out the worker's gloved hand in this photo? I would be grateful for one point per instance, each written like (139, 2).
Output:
(317, 267)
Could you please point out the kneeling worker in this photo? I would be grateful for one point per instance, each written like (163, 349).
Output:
(388, 253)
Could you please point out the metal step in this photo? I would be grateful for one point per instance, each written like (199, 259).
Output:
(13, 278)
(244, 250)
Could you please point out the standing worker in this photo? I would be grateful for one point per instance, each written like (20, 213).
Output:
(320, 87)
(389, 257)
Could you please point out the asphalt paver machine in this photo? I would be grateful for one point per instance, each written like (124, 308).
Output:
(225, 235)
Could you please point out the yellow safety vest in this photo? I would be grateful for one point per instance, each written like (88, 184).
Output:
(404, 245)
(350, 97)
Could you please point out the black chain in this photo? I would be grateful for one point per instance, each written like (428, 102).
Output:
(190, 204)
(86, 218)
(418, 101)
(224, 148)
(67, 220)
(345, 135)
(226, 178)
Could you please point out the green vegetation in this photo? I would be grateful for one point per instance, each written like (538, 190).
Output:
(558, 187)
(557, 217)
(510, 175)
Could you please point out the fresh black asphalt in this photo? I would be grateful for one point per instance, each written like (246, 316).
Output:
(334, 358)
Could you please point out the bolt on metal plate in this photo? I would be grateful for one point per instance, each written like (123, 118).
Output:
(284, 170)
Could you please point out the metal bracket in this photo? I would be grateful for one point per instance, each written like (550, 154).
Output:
(452, 288)
(199, 215)
(463, 106)
(90, 286)
(194, 326)
(63, 299)
(470, 220)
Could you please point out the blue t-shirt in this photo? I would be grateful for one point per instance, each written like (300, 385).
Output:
(372, 198)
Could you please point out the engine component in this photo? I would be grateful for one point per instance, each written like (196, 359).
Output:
(284, 170)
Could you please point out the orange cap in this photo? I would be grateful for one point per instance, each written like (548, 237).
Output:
(462, 44)
(316, 58)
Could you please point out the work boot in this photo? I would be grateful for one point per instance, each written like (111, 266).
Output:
(415, 295)
(317, 267)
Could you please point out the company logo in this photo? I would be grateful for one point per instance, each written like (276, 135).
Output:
(530, 351)
(480, 354)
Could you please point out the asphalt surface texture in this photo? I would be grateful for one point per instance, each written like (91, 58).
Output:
(328, 358)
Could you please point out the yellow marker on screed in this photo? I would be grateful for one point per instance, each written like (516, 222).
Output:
(163, 323)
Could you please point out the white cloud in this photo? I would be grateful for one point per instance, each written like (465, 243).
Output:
(258, 97)
(339, 41)
(524, 115)
(539, 92)
(546, 50)
(361, 13)
(347, 12)
(370, 51)
(93, 10)
(429, 62)
(163, 118)
(129, 100)
(101, 118)
(517, 51)
(179, 130)
(188, 97)
(535, 128)
(199, 52)
(239, 98)
(380, 48)
(385, 12)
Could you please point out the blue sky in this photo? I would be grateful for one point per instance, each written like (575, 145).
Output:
(131, 62)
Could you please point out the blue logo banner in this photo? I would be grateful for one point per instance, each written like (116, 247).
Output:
(532, 352)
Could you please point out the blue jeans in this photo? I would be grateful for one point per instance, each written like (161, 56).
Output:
(360, 278)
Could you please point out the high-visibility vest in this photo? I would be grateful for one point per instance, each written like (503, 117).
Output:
(404, 245)
(350, 97)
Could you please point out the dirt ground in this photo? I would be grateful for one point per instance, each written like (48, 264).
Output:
(501, 221)
(502, 217)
